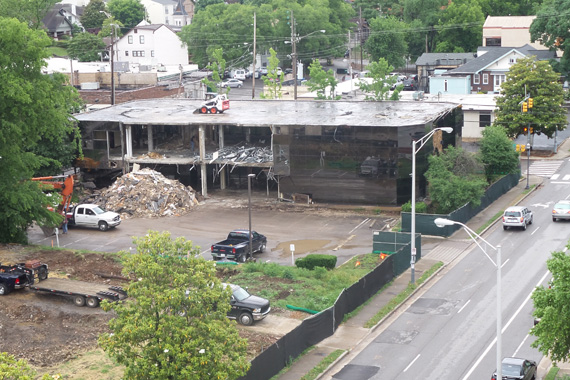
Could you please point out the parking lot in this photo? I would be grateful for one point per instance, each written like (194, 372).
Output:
(311, 228)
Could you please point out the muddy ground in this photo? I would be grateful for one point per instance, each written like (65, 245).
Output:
(47, 330)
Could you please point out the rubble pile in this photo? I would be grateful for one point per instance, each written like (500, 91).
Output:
(146, 193)
(151, 155)
(245, 154)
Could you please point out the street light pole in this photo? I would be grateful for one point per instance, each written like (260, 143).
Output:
(249, 178)
(422, 142)
(254, 56)
(441, 222)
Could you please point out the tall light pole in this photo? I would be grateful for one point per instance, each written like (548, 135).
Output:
(250, 177)
(441, 222)
(254, 56)
(115, 26)
(415, 150)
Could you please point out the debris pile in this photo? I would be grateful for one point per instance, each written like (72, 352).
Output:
(145, 193)
(152, 155)
(244, 154)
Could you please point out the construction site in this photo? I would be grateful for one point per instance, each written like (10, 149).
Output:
(309, 151)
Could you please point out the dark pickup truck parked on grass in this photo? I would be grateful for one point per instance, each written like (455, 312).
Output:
(247, 308)
(236, 246)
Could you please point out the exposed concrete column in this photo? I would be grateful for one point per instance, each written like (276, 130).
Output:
(150, 138)
(248, 134)
(129, 138)
(223, 174)
(202, 147)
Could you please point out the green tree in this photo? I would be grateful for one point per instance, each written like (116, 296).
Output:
(387, 40)
(218, 67)
(551, 306)
(460, 27)
(551, 28)
(453, 179)
(128, 12)
(174, 324)
(541, 83)
(30, 12)
(321, 81)
(34, 109)
(93, 15)
(111, 28)
(203, 4)
(497, 153)
(428, 12)
(86, 47)
(382, 81)
(510, 7)
(13, 369)
(272, 81)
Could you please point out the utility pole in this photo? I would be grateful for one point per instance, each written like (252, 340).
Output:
(294, 55)
(361, 36)
(112, 70)
(254, 57)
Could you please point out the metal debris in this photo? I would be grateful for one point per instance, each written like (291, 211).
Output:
(243, 154)
(145, 193)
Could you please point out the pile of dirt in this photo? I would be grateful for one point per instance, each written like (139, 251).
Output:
(145, 193)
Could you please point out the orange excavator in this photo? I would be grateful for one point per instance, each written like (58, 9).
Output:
(64, 185)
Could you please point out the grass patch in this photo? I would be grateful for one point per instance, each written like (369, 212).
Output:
(551, 375)
(291, 362)
(55, 50)
(394, 302)
(526, 191)
(324, 364)
(94, 364)
(489, 222)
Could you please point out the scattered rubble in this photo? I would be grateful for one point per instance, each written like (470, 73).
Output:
(240, 154)
(145, 193)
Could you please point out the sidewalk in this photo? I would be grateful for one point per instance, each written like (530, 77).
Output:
(350, 333)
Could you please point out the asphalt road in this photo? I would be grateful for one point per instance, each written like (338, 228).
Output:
(339, 233)
(449, 330)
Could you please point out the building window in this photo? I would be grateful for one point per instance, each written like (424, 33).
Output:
(512, 61)
(152, 53)
(166, 21)
(165, 10)
(476, 79)
(494, 41)
(126, 53)
(484, 119)
(499, 79)
(445, 85)
(136, 31)
(141, 39)
(130, 39)
(485, 78)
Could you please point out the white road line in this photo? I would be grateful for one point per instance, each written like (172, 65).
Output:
(532, 233)
(204, 251)
(503, 330)
(520, 346)
(560, 182)
(565, 249)
(555, 176)
(566, 177)
(413, 361)
(361, 223)
(463, 307)
(110, 242)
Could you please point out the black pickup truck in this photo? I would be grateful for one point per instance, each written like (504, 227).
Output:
(18, 276)
(247, 308)
(236, 246)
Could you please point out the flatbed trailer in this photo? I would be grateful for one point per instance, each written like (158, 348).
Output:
(83, 293)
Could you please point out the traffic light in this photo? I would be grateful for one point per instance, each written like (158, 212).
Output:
(530, 102)
(525, 131)
(524, 107)
(518, 148)
(531, 130)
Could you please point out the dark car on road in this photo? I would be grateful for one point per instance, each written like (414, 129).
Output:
(410, 85)
(516, 368)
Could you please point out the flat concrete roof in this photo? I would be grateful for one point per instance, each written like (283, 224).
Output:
(263, 113)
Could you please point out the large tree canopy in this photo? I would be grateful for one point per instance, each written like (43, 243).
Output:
(460, 27)
(173, 325)
(30, 12)
(497, 153)
(34, 108)
(94, 15)
(86, 47)
(541, 83)
(128, 12)
(388, 40)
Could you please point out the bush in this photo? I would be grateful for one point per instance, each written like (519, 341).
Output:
(315, 260)
(421, 207)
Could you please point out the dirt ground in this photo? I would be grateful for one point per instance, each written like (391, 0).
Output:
(48, 330)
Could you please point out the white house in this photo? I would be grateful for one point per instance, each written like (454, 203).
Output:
(151, 44)
(169, 12)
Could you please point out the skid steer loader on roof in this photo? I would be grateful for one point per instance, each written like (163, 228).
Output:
(217, 103)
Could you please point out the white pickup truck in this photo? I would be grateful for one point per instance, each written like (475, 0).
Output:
(90, 215)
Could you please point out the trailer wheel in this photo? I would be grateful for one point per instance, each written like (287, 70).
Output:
(79, 301)
(103, 226)
(92, 302)
(245, 319)
(42, 274)
(3, 290)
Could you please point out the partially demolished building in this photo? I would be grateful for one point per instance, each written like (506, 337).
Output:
(329, 151)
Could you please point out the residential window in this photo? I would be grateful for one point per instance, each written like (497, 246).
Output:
(141, 39)
(445, 85)
(476, 79)
(499, 79)
(152, 53)
(165, 10)
(136, 31)
(484, 119)
(493, 41)
(485, 78)
(130, 39)
(512, 61)
(126, 53)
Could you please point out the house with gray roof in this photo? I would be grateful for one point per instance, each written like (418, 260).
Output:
(428, 63)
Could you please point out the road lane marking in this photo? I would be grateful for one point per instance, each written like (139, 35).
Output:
(560, 182)
(520, 345)
(344, 242)
(361, 223)
(532, 233)
(566, 177)
(502, 331)
(555, 176)
(463, 307)
(413, 361)
(204, 251)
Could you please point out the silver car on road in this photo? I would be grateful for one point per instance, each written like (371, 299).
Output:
(561, 210)
(517, 216)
